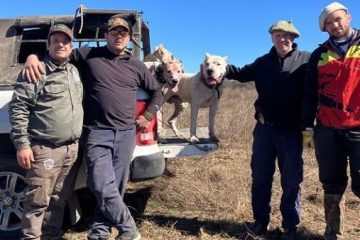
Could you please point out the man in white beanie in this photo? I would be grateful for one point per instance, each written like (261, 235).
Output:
(332, 96)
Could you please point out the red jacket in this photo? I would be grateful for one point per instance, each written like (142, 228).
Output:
(332, 90)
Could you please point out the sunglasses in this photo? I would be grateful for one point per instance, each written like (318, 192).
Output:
(117, 32)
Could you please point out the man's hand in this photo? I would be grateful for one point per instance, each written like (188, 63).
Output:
(308, 138)
(142, 123)
(25, 157)
(33, 69)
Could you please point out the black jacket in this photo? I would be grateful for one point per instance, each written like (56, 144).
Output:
(279, 83)
(111, 83)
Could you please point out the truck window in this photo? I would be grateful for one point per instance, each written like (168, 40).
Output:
(32, 40)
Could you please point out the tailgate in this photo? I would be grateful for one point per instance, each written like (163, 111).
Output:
(174, 146)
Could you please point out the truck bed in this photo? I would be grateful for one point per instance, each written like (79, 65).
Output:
(174, 146)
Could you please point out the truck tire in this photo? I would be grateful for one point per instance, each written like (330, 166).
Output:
(12, 197)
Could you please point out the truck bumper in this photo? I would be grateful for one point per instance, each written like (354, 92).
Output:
(147, 167)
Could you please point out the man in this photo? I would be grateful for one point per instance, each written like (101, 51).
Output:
(111, 79)
(332, 95)
(46, 122)
(278, 77)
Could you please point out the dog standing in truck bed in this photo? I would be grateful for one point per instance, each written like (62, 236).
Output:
(201, 90)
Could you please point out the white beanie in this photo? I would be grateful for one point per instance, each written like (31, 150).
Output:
(332, 7)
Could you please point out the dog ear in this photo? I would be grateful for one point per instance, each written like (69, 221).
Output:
(159, 74)
(181, 64)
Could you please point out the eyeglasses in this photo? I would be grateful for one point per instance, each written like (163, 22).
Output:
(58, 41)
(117, 32)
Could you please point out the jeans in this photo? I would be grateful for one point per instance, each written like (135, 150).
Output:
(271, 143)
(108, 155)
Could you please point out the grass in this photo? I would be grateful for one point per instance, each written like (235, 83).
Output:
(209, 197)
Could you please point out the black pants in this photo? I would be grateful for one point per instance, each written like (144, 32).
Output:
(334, 149)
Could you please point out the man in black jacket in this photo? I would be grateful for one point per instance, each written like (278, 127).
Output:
(278, 77)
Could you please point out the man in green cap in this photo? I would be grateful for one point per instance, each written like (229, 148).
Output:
(278, 77)
(46, 122)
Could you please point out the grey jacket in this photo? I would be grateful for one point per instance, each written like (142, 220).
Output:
(49, 111)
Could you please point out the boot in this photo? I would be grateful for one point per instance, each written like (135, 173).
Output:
(334, 206)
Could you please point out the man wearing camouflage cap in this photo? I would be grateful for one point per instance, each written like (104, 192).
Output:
(46, 141)
(332, 97)
(278, 77)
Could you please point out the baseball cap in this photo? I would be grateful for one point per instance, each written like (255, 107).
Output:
(332, 7)
(284, 26)
(61, 28)
(117, 21)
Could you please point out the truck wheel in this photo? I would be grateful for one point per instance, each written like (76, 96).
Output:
(12, 197)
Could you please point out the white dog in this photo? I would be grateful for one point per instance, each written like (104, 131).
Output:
(201, 91)
(155, 63)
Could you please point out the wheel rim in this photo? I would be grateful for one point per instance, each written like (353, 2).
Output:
(12, 197)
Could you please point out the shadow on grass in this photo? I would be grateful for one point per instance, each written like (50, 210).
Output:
(136, 202)
(193, 226)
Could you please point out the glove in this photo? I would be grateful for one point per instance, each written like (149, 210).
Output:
(308, 138)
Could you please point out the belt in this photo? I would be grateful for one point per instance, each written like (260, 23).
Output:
(69, 142)
(50, 144)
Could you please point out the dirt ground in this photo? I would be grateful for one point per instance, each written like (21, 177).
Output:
(209, 197)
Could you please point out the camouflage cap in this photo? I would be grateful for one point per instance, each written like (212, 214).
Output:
(62, 29)
(117, 21)
(284, 26)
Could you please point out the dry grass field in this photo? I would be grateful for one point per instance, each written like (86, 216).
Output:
(209, 197)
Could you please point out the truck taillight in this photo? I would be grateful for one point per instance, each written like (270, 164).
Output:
(149, 136)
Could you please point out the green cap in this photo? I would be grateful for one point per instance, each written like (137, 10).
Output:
(284, 26)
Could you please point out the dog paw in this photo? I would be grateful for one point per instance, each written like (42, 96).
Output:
(194, 139)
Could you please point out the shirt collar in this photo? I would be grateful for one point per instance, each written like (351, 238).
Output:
(111, 55)
(52, 65)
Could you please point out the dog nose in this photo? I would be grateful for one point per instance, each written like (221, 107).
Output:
(210, 71)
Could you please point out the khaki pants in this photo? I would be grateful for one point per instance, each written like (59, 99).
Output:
(50, 182)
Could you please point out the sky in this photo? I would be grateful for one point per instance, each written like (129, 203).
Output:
(237, 29)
